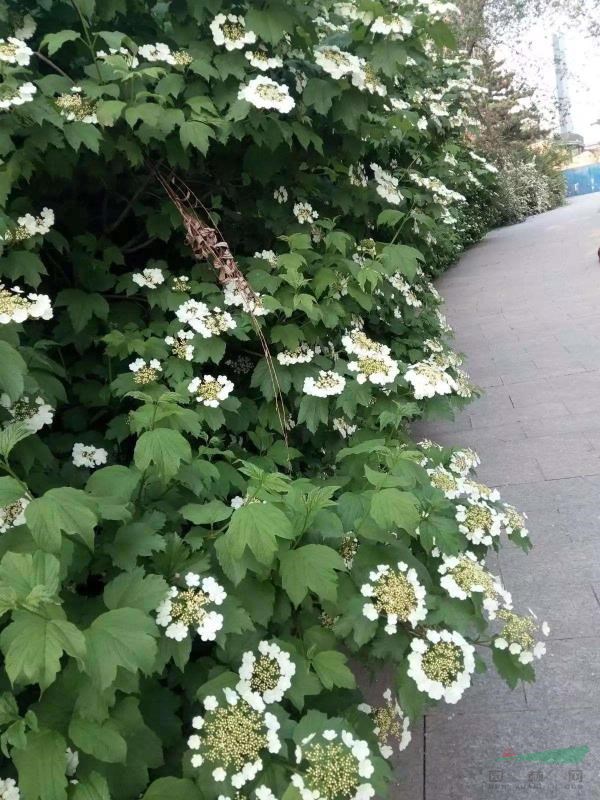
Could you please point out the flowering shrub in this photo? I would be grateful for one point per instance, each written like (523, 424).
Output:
(209, 499)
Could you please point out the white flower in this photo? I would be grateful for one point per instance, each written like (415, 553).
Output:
(479, 491)
(210, 391)
(444, 480)
(191, 609)
(266, 677)
(234, 737)
(330, 758)
(390, 724)
(395, 594)
(151, 277)
(157, 52)
(519, 634)
(131, 60)
(261, 60)
(28, 226)
(378, 370)
(357, 175)
(204, 321)
(9, 789)
(357, 343)
(386, 185)
(145, 373)
(327, 384)
(392, 23)
(180, 345)
(305, 213)
(72, 762)
(34, 414)
(230, 30)
(336, 62)
(514, 522)
(74, 107)
(263, 92)
(16, 307)
(464, 575)
(343, 427)
(13, 515)
(237, 294)
(479, 522)
(441, 664)
(428, 380)
(463, 461)
(365, 79)
(15, 51)
(401, 285)
(23, 94)
(301, 355)
(86, 455)
(281, 194)
(267, 255)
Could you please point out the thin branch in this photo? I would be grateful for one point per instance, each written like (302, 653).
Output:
(129, 205)
(52, 64)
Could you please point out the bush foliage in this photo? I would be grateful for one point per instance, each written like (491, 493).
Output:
(210, 500)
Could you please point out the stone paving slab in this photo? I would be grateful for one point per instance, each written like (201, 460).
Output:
(525, 306)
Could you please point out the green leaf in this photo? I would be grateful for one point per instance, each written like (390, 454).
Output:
(99, 739)
(313, 411)
(173, 789)
(54, 41)
(196, 134)
(510, 668)
(94, 787)
(136, 590)
(164, 448)
(10, 491)
(310, 568)
(112, 487)
(331, 667)
(78, 133)
(10, 437)
(109, 111)
(256, 526)
(12, 371)
(34, 578)
(392, 508)
(82, 306)
(390, 217)
(63, 510)
(33, 645)
(123, 637)
(270, 24)
(319, 94)
(213, 511)
(41, 766)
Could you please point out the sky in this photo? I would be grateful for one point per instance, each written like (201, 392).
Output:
(531, 56)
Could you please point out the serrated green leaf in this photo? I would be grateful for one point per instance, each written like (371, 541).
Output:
(257, 526)
(173, 789)
(331, 667)
(63, 510)
(54, 41)
(41, 766)
(392, 508)
(213, 511)
(101, 740)
(163, 448)
(136, 590)
(94, 787)
(12, 371)
(310, 568)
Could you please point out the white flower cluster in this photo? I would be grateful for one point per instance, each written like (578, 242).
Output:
(394, 24)
(264, 92)
(480, 522)
(465, 575)
(266, 677)
(514, 521)
(441, 193)
(15, 51)
(210, 391)
(357, 175)
(232, 737)
(143, 372)
(336, 62)
(400, 284)
(15, 306)
(377, 370)
(390, 724)
(305, 213)
(396, 594)
(230, 30)
(28, 226)
(267, 255)
(9, 789)
(327, 384)
(151, 277)
(519, 635)
(13, 514)
(180, 345)
(441, 664)
(343, 427)
(261, 60)
(386, 185)
(131, 60)
(157, 52)
(357, 343)
(428, 380)
(365, 78)
(34, 414)
(86, 455)
(74, 107)
(463, 461)
(204, 321)
(280, 194)
(234, 295)
(333, 765)
(301, 355)
(447, 482)
(191, 609)
(17, 97)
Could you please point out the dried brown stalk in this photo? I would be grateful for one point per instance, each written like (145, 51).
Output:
(208, 244)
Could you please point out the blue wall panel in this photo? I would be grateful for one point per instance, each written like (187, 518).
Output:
(582, 180)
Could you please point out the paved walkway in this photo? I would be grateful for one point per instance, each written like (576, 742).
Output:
(525, 306)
